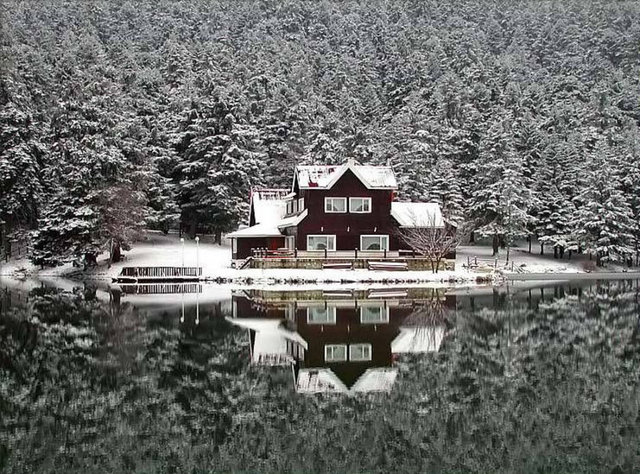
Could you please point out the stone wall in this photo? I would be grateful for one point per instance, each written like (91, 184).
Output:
(421, 264)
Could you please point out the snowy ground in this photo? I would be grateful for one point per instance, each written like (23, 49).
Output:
(521, 261)
(166, 250)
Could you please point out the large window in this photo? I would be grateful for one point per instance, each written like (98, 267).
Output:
(359, 352)
(374, 314)
(335, 205)
(374, 242)
(360, 205)
(321, 315)
(321, 242)
(335, 352)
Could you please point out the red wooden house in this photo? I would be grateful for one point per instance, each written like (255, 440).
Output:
(337, 208)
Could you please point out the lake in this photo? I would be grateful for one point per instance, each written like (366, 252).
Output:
(203, 378)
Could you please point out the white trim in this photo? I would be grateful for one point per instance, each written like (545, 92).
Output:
(386, 247)
(331, 313)
(365, 199)
(384, 314)
(326, 201)
(290, 242)
(331, 248)
(332, 346)
(360, 359)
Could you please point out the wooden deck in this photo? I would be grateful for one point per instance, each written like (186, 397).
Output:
(158, 274)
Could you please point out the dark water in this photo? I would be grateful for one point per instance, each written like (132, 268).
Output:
(203, 379)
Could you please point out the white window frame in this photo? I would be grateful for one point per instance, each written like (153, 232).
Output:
(294, 206)
(330, 311)
(384, 312)
(331, 248)
(289, 207)
(234, 246)
(364, 199)
(366, 358)
(328, 348)
(328, 200)
(300, 204)
(386, 239)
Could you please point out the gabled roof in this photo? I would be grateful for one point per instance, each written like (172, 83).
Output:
(417, 214)
(324, 380)
(325, 176)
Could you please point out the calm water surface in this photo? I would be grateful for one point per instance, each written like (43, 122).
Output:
(206, 379)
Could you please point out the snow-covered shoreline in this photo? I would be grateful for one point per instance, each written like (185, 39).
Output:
(167, 250)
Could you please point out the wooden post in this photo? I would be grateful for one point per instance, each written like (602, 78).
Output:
(355, 252)
(325, 252)
(295, 252)
(385, 253)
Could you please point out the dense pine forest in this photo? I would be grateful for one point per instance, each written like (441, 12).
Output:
(520, 118)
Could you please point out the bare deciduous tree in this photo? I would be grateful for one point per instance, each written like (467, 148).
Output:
(432, 241)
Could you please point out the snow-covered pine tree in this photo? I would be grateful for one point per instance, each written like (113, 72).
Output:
(220, 163)
(500, 202)
(22, 156)
(603, 218)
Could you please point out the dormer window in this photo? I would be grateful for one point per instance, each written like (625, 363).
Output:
(360, 205)
(335, 205)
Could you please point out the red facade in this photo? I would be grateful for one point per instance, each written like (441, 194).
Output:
(347, 227)
(363, 217)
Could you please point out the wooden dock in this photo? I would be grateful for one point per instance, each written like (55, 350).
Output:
(158, 275)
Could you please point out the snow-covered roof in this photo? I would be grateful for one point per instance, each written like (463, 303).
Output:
(325, 176)
(418, 339)
(417, 214)
(319, 380)
(324, 380)
(293, 220)
(378, 379)
(259, 230)
(271, 338)
(269, 205)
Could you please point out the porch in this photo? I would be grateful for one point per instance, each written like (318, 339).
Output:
(341, 259)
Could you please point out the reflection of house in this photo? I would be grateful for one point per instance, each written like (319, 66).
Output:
(333, 208)
(343, 343)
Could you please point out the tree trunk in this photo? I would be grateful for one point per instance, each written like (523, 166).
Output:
(561, 250)
(472, 238)
(529, 239)
(116, 252)
(541, 249)
(495, 244)
(218, 237)
(555, 252)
